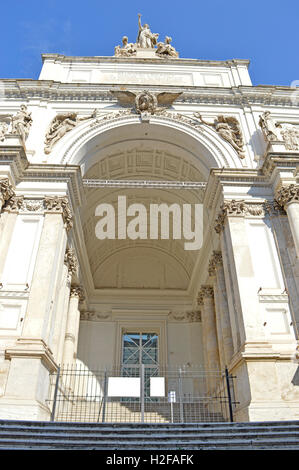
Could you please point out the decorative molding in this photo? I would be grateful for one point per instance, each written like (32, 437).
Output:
(281, 298)
(94, 316)
(71, 261)
(185, 317)
(287, 194)
(60, 205)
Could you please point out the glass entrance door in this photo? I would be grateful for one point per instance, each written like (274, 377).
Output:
(140, 348)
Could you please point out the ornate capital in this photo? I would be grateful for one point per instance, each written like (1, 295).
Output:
(216, 260)
(14, 204)
(71, 261)
(287, 194)
(60, 205)
(232, 208)
(77, 291)
(206, 292)
(6, 190)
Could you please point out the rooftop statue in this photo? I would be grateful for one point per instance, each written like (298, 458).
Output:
(146, 40)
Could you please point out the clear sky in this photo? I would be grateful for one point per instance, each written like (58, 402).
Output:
(264, 31)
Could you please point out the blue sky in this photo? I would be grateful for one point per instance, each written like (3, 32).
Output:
(264, 31)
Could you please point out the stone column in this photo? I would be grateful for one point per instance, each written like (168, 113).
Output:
(222, 310)
(72, 327)
(288, 198)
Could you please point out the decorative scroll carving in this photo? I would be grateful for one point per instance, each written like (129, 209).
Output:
(77, 291)
(229, 129)
(94, 316)
(287, 194)
(60, 204)
(60, 125)
(185, 317)
(216, 260)
(14, 204)
(21, 122)
(71, 261)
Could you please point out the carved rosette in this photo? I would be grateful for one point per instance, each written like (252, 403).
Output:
(77, 291)
(216, 260)
(60, 205)
(287, 195)
(71, 261)
(6, 190)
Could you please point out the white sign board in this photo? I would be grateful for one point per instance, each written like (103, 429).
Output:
(123, 387)
(157, 386)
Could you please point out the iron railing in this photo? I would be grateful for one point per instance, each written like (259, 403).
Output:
(80, 394)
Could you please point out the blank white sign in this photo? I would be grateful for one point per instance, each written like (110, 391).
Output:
(157, 386)
(123, 387)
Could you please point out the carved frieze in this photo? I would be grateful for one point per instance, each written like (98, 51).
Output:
(94, 316)
(185, 317)
(206, 291)
(287, 194)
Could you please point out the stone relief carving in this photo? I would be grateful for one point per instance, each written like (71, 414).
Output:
(290, 135)
(205, 291)
(21, 122)
(60, 125)
(185, 317)
(3, 130)
(146, 40)
(94, 316)
(145, 103)
(287, 194)
(60, 204)
(229, 129)
(279, 131)
(71, 261)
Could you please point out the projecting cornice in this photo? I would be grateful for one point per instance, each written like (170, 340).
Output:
(57, 91)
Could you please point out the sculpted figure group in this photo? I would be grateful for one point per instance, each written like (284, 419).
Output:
(146, 40)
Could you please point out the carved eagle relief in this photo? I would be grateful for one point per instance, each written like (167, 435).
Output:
(145, 101)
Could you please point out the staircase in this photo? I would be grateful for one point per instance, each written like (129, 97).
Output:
(201, 436)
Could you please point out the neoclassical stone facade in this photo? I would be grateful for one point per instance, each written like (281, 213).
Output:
(146, 124)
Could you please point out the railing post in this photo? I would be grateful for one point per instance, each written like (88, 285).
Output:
(230, 406)
(181, 396)
(142, 391)
(105, 396)
(55, 395)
